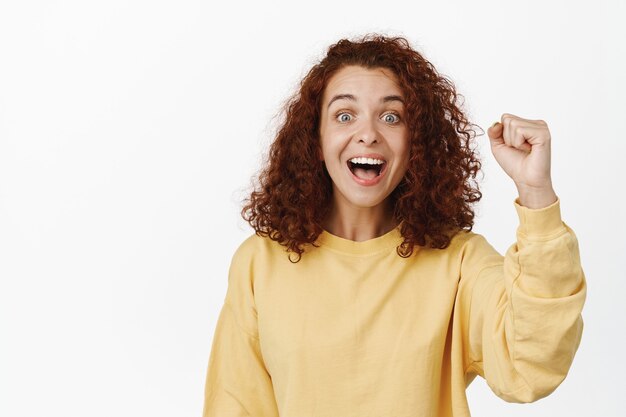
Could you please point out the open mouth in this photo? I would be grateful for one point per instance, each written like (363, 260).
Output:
(366, 171)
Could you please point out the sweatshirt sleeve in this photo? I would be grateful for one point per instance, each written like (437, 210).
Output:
(237, 381)
(521, 313)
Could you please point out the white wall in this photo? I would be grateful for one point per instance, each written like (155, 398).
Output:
(129, 130)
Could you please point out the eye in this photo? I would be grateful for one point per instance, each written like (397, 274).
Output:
(343, 117)
(392, 118)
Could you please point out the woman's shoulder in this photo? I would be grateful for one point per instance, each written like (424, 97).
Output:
(254, 246)
(467, 238)
(474, 252)
(470, 247)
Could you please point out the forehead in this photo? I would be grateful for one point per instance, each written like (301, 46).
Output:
(354, 79)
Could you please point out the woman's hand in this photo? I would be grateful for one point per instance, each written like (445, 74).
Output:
(522, 148)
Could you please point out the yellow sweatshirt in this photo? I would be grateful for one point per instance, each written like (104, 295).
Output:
(354, 330)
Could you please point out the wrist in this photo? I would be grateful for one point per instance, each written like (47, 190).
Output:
(536, 197)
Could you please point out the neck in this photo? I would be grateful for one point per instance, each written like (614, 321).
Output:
(359, 223)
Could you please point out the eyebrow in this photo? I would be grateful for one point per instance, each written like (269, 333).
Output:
(353, 98)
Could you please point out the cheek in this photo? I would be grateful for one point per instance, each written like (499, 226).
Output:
(324, 148)
(331, 147)
(405, 152)
(402, 149)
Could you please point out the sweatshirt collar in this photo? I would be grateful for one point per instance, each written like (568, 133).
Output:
(389, 240)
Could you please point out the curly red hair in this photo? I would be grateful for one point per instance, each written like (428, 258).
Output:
(434, 199)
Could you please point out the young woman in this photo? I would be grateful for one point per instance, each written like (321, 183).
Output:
(363, 291)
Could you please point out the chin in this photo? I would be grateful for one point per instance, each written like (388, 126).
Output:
(366, 202)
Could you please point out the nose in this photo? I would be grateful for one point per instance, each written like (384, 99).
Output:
(367, 132)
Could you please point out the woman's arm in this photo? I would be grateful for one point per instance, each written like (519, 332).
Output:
(237, 382)
(521, 313)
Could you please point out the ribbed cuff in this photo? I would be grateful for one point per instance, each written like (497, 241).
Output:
(541, 222)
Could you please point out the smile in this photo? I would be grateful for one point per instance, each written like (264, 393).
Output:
(366, 171)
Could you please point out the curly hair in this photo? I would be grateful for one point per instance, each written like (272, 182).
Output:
(434, 199)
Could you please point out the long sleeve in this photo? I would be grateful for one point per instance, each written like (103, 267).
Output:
(237, 382)
(521, 313)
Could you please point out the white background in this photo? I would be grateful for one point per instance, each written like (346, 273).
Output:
(129, 133)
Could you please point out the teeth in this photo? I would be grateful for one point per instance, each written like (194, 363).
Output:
(370, 161)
